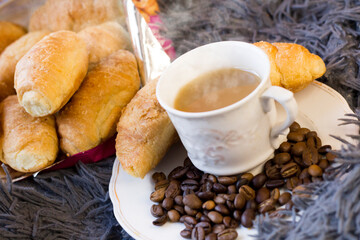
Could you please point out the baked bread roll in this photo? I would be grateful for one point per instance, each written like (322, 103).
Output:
(28, 143)
(145, 133)
(10, 57)
(104, 39)
(50, 73)
(91, 116)
(292, 66)
(9, 32)
(74, 15)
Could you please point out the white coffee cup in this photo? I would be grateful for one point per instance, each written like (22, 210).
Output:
(238, 137)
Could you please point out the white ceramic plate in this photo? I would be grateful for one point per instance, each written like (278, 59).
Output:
(320, 107)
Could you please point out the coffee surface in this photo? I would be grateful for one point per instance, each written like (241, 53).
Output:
(216, 89)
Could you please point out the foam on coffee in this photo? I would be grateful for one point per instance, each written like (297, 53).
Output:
(216, 89)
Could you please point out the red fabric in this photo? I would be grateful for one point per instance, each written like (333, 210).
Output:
(96, 154)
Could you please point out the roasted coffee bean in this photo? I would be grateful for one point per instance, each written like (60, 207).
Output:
(192, 201)
(237, 215)
(315, 171)
(251, 204)
(282, 158)
(218, 228)
(230, 205)
(224, 180)
(239, 201)
(304, 174)
(330, 156)
(186, 233)
(219, 200)
(314, 142)
(158, 176)
(230, 197)
(212, 178)
(187, 192)
(300, 191)
(248, 176)
(211, 236)
(247, 192)
(198, 233)
(205, 195)
(262, 194)
(204, 177)
(229, 222)
(303, 131)
(227, 234)
(173, 215)
(285, 147)
(167, 203)
(161, 220)
(190, 222)
(198, 216)
(180, 209)
(193, 174)
(221, 208)
(275, 194)
(207, 186)
(215, 217)
(189, 211)
(158, 195)
(324, 164)
(276, 183)
(324, 149)
(219, 188)
(289, 205)
(299, 161)
(204, 218)
(182, 218)
(173, 189)
(205, 225)
(162, 184)
(179, 200)
(267, 205)
(306, 181)
(273, 172)
(259, 180)
(311, 134)
(232, 189)
(240, 182)
(292, 183)
(294, 127)
(295, 137)
(284, 198)
(178, 172)
(209, 205)
(189, 184)
(157, 210)
(248, 217)
(298, 149)
(310, 156)
(289, 170)
(268, 164)
(187, 162)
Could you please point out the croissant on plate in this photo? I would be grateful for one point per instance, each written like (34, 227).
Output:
(292, 66)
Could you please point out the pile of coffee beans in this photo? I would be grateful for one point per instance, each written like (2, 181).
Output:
(212, 207)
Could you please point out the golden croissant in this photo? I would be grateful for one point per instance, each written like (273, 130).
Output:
(292, 66)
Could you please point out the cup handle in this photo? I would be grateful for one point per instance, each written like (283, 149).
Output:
(287, 101)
